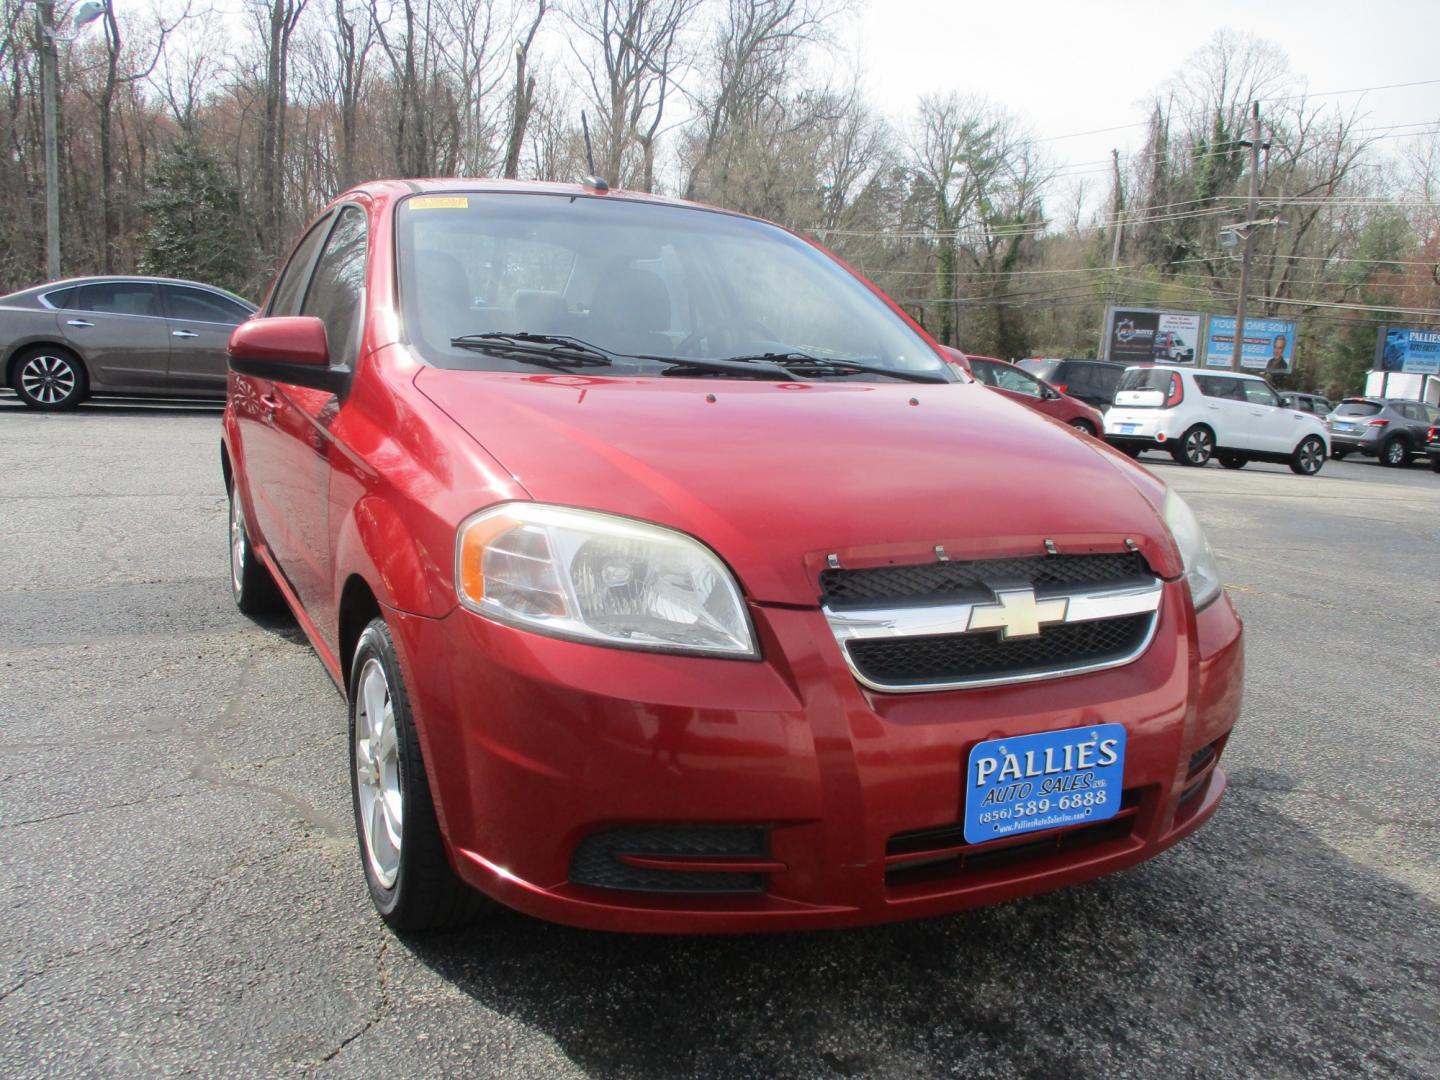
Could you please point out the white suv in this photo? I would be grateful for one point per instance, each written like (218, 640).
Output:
(1197, 414)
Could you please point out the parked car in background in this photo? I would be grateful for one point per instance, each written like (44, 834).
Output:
(1391, 429)
(1432, 447)
(1195, 415)
(1311, 403)
(138, 336)
(1019, 385)
(675, 583)
(1092, 381)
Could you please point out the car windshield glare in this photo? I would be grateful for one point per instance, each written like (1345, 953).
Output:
(637, 281)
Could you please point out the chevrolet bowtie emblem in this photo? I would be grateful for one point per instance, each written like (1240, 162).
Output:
(1016, 613)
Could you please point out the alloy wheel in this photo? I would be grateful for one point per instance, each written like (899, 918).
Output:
(237, 544)
(377, 771)
(1395, 453)
(1312, 456)
(48, 379)
(1198, 446)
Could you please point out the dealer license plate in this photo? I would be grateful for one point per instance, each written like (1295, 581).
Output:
(1129, 429)
(1044, 781)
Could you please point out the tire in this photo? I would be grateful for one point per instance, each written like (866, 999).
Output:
(49, 378)
(402, 852)
(1337, 454)
(1084, 427)
(1130, 451)
(251, 585)
(1232, 461)
(1435, 462)
(1309, 457)
(1195, 447)
(1395, 453)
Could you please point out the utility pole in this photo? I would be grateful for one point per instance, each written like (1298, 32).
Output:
(1251, 207)
(49, 62)
(1117, 215)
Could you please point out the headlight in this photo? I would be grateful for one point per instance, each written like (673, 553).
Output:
(601, 578)
(1201, 572)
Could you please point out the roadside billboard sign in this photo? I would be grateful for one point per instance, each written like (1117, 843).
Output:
(1408, 349)
(1269, 344)
(1147, 335)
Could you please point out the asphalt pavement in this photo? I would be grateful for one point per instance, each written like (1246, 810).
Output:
(182, 892)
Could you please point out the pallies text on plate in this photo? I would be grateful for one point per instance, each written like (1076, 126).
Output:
(1085, 755)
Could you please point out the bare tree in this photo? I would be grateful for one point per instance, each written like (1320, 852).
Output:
(523, 101)
(639, 54)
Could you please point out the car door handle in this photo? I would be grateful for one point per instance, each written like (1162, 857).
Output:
(270, 403)
(78, 322)
(183, 333)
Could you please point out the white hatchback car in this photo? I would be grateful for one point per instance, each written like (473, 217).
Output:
(1199, 414)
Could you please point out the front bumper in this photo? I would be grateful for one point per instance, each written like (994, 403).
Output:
(533, 744)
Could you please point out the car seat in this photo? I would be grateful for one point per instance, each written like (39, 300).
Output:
(630, 312)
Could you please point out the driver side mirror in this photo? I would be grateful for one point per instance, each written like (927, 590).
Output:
(1049, 393)
(286, 349)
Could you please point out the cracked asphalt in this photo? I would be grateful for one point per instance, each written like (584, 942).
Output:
(182, 893)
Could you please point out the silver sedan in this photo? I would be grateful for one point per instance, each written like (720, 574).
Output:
(158, 337)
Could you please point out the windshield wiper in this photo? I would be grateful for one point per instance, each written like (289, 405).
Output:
(820, 366)
(751, 367)
(546, 350)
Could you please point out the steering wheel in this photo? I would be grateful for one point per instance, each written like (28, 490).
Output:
(727, 335)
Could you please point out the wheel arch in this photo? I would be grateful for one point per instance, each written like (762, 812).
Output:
(26, 345)
(376, 543)
(358, 606)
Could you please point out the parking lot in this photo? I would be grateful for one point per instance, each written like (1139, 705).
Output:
(183, 894)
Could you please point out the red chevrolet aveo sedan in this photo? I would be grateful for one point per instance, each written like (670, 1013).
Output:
(675, 582)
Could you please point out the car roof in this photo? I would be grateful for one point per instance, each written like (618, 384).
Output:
(398, 189)
(93, 279)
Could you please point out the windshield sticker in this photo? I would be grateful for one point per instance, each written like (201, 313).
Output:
(439, 202)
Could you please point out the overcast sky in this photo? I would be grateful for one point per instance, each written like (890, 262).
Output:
(1083, 64)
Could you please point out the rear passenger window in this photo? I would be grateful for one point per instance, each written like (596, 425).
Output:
(61, 298)
(335, 291)
(120, 298)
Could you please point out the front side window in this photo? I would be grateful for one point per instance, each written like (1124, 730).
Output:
(200, 305)
(290, 289)
(1017, 382)
(641, 283)
(120, 298)
(335, 292)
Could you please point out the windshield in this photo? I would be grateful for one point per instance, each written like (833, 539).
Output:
(1041, 369)
(634, 280)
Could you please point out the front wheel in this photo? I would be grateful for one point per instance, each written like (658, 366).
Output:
(1083, 426)
(406, 869)
(50, 379)
(1309, 456)
(1394, 453)
(1195, 447)
(1230, 461)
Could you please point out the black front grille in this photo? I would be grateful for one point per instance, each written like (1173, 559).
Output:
(958, 657)
(597, 863)
(935, 582)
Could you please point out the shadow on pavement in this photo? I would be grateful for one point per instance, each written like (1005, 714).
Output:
(1251, 949)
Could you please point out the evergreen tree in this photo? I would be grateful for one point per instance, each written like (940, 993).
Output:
(195, 227)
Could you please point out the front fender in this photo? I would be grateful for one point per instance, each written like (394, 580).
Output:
(375, 542)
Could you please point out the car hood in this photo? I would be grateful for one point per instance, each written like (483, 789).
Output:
(778, 477)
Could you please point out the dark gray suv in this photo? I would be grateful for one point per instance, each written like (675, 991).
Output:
(1391, 429)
